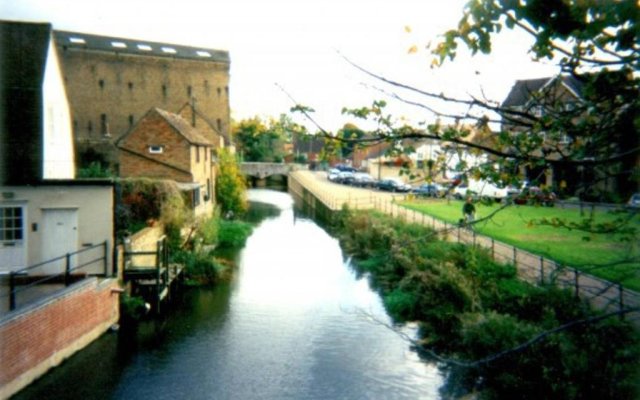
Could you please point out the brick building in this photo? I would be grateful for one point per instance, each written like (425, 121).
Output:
(164, 145)
(112, 82)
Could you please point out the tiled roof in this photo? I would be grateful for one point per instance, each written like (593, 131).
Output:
(184, 128)
(77, 40)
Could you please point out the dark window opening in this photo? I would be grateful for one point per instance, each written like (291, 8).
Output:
(219, 123)
(101, 83)
(226, 90)
(197, 154)
(130, 121)
(219, 91)
(130, 85)
(189, 91)
(164, 91)
(104, 126)
(90, 127)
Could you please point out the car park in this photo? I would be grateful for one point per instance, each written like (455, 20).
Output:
(634, 201)
(393, 185)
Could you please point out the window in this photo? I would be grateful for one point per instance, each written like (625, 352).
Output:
(101, 83)
(202, 53)
(77, 40)
(197, 154)
(168, 50)
(219, 123)
(164, 91)
(104, 126)
(11, 222)
(189, 91)
(130, 85)
(155, 149)
(196, 197)
(219, 91)
(90, 127)
(144, 47)
(130, 121)
(119, 45)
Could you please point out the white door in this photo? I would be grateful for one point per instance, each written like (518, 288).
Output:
(59, 237)
(13, 254)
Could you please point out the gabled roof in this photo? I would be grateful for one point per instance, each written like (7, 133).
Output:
(194, 108)
(182, 127)
(521, 91)
(76, 40)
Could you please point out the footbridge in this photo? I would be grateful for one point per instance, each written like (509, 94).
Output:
(262, 170)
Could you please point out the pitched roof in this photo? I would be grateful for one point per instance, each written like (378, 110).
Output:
(521, 91)
(184, 128)
(194, 108)
(76, 40)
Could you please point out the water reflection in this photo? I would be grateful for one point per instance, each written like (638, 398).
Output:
(287, 327)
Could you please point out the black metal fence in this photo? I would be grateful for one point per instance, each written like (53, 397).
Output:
(94, 258)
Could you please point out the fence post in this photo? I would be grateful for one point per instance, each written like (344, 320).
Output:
(541, 270)
(67, 270)
(515, 257)
(576, 274)
(106, 265)
(12, 291)
(493, 249)
(458, 233)
(474, 238)
(621, 300)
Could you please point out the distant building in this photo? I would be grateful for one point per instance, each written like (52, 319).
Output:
(113, 82)
(164, 145)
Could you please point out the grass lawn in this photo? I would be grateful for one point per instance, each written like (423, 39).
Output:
(514, 225)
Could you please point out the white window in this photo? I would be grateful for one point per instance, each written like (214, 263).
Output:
(77, 40)
(156, 149)
(169, 50)
(144, 47)
(119, 45)
(11, 224)
(202, 53)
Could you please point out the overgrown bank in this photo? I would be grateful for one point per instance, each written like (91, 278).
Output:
(491, 332)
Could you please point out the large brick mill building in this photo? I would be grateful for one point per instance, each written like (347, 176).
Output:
(112, 82)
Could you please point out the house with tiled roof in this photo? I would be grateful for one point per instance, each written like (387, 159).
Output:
(112, 82)
(164, 145)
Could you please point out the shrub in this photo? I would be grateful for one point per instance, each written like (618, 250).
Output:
(233, 234)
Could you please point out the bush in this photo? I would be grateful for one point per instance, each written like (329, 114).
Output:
(233, 234)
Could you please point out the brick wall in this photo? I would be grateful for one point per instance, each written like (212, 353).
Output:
(41, 336)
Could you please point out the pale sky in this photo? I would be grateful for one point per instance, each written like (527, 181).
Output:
(297, 44)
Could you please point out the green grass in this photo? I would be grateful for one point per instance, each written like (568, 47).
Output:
(602, 255)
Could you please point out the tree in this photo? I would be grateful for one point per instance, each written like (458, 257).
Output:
(596, 43)
(231, 189)
(264, 141)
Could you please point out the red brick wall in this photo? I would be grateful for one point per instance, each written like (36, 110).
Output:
(154, 130)
(41, 334)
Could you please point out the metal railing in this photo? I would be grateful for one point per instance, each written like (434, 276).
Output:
(15, 287)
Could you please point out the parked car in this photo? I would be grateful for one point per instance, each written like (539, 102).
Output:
(634, 201)
(363, 179)
(345, 168)
(462, 191)
(345, 177)
(429, 190)
(332, 175)
(393, 185)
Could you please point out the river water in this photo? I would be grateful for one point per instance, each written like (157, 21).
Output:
(295, 323)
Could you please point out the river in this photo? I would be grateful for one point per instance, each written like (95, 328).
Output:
(294, 323)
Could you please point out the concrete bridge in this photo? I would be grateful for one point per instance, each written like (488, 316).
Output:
(262, 170)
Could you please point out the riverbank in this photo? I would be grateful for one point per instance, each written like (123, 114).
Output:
(490, 331)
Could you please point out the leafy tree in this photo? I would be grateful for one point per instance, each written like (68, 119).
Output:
(265, 141)
(231, 189)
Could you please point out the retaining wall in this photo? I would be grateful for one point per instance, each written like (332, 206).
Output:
(38, 337)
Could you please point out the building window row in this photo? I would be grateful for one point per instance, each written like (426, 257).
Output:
(165, 89)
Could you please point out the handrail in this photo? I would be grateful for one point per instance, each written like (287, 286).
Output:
(66, 274)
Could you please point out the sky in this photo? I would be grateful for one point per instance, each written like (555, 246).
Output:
(284, 49)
